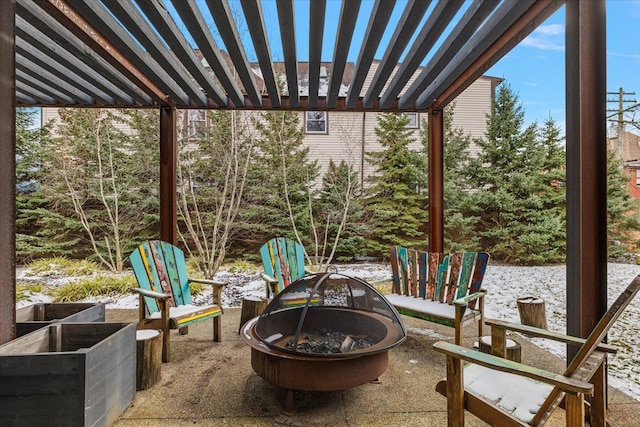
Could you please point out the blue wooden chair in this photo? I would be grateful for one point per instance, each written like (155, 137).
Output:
(165, 296)
(283, 262)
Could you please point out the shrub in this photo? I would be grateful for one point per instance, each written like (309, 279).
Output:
(100, 285)
(62, 266)
(25, 289)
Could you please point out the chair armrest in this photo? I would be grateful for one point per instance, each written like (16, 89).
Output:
(467, 298)
(543, 333)
(569, 385)
(208, 282)
(268, 278)
(150, 294)
(216, 288)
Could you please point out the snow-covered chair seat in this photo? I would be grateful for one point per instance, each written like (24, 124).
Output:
(505, 393)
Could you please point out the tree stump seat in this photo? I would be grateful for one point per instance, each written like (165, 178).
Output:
(148, 358)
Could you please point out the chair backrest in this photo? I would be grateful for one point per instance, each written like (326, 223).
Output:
(594, 339)
(159, 266)
(437, 276)
(283, 259)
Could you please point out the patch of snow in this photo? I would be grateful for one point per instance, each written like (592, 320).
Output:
(504, 285)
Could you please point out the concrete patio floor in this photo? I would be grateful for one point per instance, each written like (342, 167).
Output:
(209, 383)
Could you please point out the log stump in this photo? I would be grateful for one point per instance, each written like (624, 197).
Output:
(514, 350)
(148, 357)
(251, 307)
(532, 312)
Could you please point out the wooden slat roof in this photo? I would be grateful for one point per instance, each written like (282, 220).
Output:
(150, 53)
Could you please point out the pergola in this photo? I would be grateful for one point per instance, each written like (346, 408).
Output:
(149, 54)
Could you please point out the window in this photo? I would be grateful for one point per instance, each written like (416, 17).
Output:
(638, 178)
(315, 122)
(197, 120)
(414, 123)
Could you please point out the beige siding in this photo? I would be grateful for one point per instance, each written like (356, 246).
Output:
(351, 134)
(51, 114)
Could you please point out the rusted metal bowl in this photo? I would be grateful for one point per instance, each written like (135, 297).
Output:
(311, 308)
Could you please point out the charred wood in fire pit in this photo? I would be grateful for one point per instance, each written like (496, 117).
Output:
(328, 343)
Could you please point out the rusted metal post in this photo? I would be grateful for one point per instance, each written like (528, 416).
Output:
(7, 172)
(586, 166)
(436, 180)
(168, 172)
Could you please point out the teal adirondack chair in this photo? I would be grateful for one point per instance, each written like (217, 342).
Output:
(165, 296)
(283, 262)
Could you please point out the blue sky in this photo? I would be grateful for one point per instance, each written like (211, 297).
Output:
(535, 68)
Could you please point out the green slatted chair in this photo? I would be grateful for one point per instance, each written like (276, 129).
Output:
(283, 262)
(165, 296)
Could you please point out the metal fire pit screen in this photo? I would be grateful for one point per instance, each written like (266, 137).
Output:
(330, 315)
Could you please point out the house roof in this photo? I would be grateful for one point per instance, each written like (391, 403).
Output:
(149, 53)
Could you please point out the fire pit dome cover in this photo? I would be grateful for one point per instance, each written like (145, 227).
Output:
(331, 315)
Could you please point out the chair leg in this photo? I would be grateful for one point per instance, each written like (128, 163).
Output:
(164, 315)
(217, 329)
(455, 393)
(598, 410)
(574, 410)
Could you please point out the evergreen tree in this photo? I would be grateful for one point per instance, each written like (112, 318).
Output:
(621, 208)
(396, 205)
(29, 138)
(95, 183)
(279, 189)
(511, 189)
(459, 220)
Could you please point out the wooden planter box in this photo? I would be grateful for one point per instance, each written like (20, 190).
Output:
(36, 316)
(68, 374)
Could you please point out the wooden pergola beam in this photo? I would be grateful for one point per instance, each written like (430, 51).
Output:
(7, 173)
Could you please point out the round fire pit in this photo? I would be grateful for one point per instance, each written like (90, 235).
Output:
(324, 332)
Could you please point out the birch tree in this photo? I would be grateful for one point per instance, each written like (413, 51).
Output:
(214, 158)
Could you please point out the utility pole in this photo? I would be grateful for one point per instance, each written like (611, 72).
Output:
(619, 114)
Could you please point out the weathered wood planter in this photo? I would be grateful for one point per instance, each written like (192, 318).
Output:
(36, 316)
(68, 374)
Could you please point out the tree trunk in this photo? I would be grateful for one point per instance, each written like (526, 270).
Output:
(532, 312)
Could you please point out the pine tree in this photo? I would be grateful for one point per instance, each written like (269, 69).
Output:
(96, 181)
(621, 208)
(396, 203)
(515, 224)
(29, 205)
(279, 189)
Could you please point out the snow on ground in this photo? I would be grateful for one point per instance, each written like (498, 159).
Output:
(504, 284)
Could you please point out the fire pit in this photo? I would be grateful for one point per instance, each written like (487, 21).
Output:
(324, 332)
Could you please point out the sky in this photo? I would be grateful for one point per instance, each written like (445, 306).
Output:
(534, 69)
(531, 67)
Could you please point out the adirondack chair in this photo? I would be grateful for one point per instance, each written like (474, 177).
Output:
(165, 296)
(440, 288)
(283, 263)
(506, 393)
